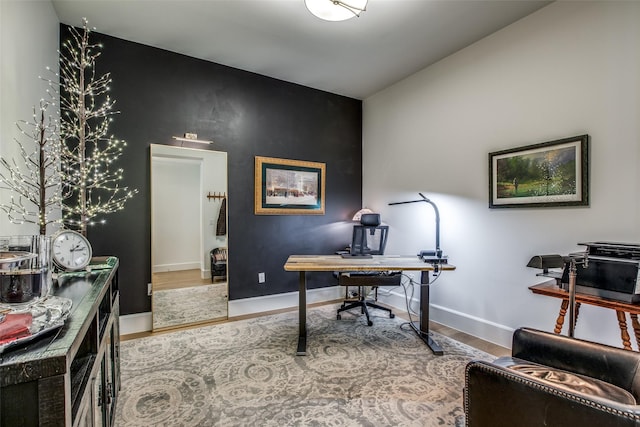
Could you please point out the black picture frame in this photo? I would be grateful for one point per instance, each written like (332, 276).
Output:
(549, 174)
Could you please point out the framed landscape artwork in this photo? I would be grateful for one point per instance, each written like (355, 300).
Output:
(289, 187)
(554, 173)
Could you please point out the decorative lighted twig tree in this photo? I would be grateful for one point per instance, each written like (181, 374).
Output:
(36, 178)
(90, 185)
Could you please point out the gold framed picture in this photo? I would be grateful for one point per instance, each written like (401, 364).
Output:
(289, 187)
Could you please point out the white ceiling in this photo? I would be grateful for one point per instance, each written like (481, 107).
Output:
(280, 38)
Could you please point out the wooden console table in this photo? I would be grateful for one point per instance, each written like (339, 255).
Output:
(304, 263)
(550, 289)
(70, 377)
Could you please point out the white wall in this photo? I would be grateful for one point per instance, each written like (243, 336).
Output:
(569, 69)
(176, 217)
(212, 180)
(28, 44)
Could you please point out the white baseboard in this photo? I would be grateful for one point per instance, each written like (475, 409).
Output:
(162, 268)
(481, 328)
(394, 297)
(135, 323)
(245, 306)
(142, 322)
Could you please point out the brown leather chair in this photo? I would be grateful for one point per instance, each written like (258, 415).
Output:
(554, 380)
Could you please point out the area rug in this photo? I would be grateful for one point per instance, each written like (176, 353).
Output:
(246, 373)
(193, 304)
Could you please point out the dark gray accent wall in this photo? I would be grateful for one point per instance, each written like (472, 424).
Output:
(161, 94)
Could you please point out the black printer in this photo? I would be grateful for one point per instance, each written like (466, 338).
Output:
(611, 271)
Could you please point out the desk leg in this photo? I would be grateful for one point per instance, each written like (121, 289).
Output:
(302, 310)
(423, 333)
(624, 332)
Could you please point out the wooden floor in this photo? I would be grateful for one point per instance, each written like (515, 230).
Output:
(459, 336)
(177, 279)
(462, 337)
(475, 342)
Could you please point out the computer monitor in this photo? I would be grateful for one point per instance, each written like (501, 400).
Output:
(368, 240)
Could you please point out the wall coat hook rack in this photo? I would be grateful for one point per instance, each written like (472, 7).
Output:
(216, 195)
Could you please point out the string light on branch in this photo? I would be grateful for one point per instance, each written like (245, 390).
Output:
(90, 184)
(35, 179)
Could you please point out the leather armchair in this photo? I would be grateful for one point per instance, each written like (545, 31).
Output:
(554, 380)
(218, 264)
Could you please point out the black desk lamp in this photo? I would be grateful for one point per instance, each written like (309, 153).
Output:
(431, 256)
(545, 262)
(436, 258)
(573, 274)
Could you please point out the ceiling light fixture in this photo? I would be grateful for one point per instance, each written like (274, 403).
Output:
(335, 10)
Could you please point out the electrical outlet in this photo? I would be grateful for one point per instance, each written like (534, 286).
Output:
(261, 277)
(149, 289)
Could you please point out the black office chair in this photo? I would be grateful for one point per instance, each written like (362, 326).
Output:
(367, 240)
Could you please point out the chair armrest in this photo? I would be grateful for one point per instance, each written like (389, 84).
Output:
(497, 396)
(610, 364)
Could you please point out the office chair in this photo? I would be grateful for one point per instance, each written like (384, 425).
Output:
(367, 240)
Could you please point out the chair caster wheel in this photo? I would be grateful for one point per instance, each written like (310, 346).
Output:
(369, 322)
(391, 315)
(339, 317)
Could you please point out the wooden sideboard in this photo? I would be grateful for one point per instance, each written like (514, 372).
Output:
(70, 377)
(551, 289)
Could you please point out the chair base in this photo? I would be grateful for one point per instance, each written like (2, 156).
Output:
(363, 304)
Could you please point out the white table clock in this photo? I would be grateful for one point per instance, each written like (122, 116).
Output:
(71, 251)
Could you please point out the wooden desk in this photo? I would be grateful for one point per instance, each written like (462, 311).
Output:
(304, 263)
(552, 290)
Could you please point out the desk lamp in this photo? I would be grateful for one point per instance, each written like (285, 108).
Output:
(435, 258)
(431, 256)
(545, 262)
(573, 274)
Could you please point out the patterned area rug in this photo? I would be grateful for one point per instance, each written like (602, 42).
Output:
(246, 373)
(194, 304)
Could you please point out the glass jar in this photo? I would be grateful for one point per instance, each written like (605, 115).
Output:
(25, 268)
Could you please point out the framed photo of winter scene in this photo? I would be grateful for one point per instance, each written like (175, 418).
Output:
(289, 187)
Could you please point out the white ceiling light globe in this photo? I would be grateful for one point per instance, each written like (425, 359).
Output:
(332, 10)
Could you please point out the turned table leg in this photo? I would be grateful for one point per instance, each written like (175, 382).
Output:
(564, 305)
(624, 333)
(636, 327)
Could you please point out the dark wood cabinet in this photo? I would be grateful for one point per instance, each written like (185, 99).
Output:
(70, 377)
